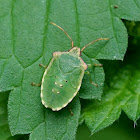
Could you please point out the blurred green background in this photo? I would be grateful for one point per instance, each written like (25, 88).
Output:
(122, 129)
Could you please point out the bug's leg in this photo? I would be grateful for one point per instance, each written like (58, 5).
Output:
(98, 65)
(33, 84)
(71, 111)
(93, 42)
(95, 65)
(41, 65)
(88, 73)
(64, 32)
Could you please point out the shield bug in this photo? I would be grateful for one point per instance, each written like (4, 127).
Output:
(63, 76)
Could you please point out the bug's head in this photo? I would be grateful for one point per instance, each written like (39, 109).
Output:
(75, 51)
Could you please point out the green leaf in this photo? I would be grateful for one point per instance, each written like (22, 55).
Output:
(129, 12)
(122, 94)
(63, 126)
(5, 133)
(27, 39)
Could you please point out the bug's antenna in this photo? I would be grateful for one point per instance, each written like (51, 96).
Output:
(93, 42)
(64, 32)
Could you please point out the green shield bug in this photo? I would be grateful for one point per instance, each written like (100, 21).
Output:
(63, 76)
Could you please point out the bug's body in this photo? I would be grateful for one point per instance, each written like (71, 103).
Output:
(62, 79)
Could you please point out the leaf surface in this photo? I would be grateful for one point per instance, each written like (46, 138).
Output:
(62, 127)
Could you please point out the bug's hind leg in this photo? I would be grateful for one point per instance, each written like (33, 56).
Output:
(88, 73)
(41, 65)
(71, 111)
(33, 84)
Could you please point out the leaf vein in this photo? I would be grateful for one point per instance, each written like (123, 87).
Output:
(13, 31)
(136, 4)
(20, 103)
(77, 22)
(48, 4)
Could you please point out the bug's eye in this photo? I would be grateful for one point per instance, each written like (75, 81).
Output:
(66, 81)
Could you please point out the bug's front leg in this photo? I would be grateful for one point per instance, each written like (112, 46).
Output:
(88, 73)
(33, 84)
(41, 65)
